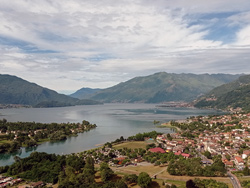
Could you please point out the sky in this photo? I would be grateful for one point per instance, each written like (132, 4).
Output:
(66, 45)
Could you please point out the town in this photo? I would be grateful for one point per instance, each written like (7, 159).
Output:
(203, 146)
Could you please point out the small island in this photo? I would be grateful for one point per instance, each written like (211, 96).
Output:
(14, 135)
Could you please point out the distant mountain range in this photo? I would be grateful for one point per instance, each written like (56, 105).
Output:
(156, 88)
(84, 93)
(14, 90)
(234, 94)
(161, 87)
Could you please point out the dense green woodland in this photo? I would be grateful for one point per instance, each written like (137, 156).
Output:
(163, 87)
(198, 183)
(77, 170)
(235, 94)
(193, 167)
(70, 171)
(16, 134)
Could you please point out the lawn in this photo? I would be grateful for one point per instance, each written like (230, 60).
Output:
(150, 169)
(166, 175)
(244, 178)
(179, 181)
(131, 145)
(5, 141)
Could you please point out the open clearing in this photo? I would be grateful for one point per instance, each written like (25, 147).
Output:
(179, 181)
(131, 145)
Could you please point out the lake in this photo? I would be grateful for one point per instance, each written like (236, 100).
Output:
(112, 120)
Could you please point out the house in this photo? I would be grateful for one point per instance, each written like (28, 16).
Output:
(229, 163)
(157, 150)
(178, 153)
(186, 155)
(238, 161)
(120, 160)
(138, 160)
(206, 162)
(37, 184)
(245, 154)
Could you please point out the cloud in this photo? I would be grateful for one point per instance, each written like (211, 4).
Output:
(76, 43)
(243, 37)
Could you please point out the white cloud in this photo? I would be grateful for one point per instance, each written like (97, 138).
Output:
(243, 37)
(100, 43)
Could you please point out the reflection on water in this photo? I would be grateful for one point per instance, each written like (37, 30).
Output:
(112, 120)
(30, 149)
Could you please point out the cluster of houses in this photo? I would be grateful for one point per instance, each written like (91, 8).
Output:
(232, 146)
(9, 181)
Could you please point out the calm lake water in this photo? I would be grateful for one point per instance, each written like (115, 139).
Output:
(112, 120)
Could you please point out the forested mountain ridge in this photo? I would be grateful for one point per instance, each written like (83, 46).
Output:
(14, 90)
(231, 95)
(84, 93)
(163, 87)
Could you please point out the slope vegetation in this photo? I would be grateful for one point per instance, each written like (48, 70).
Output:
(14, 90)
(163, 87)
(231, 95)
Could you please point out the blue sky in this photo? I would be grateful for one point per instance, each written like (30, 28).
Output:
(66, 45)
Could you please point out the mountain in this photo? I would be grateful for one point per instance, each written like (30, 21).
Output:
(163, 87)
(234, 94)
(14, 90)
(84, 93)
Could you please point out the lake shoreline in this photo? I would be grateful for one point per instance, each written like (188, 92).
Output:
(112, 120)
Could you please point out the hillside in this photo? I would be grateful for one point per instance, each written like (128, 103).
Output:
(14, 90)
(234, 94)
(163, 87)
(84, 93)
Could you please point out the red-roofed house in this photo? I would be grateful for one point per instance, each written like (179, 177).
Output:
(238, 161)
(229, 163)
(157, 150)
(177, 153)
(185, 155)
(228, 125)
(245, 154)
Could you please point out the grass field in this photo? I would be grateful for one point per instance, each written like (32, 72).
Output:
(244, 178)
(131, 145)
(179, 181)
(168, 125)
(5, 141)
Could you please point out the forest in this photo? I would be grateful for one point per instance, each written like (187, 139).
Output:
(14, 135)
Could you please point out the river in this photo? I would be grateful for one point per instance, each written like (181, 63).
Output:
(112, 120)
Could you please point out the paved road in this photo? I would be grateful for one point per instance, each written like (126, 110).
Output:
(234, 180)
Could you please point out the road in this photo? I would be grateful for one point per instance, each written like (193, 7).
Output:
(234, 180)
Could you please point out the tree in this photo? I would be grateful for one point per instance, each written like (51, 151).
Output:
(208, 154)
(144, 180)
(190, 184)
(246, 171)
(108, 144)
(169, 137)
(106, 172)
(131, 178)
(90, 164)
(228, 157)
(121, 184)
